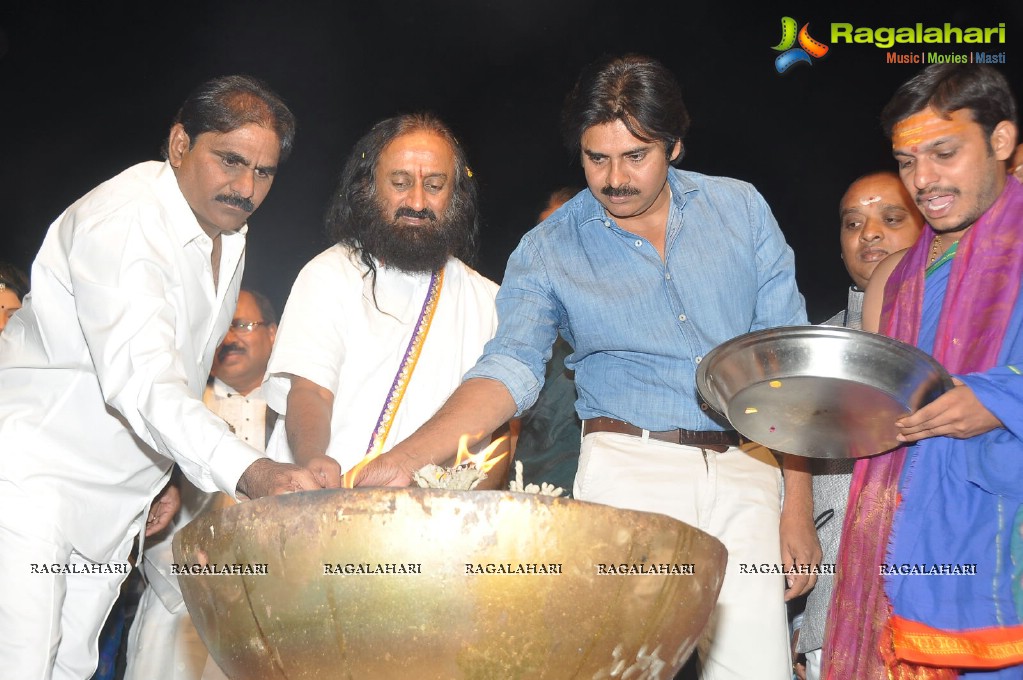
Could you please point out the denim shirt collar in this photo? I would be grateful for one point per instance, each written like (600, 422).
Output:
(681, 185)
(640, 324)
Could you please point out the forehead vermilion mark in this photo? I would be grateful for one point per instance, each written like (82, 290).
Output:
(921, 127)
(869, 199)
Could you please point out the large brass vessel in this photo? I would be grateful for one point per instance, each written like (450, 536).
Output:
(445, 585)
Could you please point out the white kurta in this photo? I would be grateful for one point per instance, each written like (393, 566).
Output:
(163, 644)
(333, 334)
(101, 374)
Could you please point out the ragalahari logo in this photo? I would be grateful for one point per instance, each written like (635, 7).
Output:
(808, 50)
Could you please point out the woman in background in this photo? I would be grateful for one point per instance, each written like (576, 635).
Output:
(13, 287)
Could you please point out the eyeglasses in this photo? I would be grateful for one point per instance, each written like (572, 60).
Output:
(246, 326)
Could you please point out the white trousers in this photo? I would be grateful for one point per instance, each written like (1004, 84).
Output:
(813, 664)
(50, 621)
(164, 645)
(734, 496)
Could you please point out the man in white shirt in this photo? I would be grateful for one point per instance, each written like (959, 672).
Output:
(393, 300)
(236, 391)
(102, 372)
(163, 643)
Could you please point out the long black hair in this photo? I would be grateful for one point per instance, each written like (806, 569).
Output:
(356, 189)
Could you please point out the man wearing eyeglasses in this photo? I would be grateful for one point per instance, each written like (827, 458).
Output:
(163, 643)
(240, 363)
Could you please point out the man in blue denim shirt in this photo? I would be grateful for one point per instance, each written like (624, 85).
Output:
(643, 274)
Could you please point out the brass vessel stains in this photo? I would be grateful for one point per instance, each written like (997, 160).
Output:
(445, 585)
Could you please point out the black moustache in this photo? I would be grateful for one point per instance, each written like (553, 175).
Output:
(424, 214)
(920, 193)
(237, 202)
(626, 190)
(227, 349)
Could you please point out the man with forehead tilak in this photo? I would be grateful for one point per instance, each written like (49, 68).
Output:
(928, 582)
(877, 217)
(643, 273)
(380, 327)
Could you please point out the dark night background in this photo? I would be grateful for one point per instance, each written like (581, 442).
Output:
(88, 89)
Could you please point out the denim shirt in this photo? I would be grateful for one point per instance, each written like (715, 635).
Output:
(639, 325)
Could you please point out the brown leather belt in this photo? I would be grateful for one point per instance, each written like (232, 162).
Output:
(710, 439)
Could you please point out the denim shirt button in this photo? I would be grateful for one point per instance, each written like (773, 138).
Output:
(681, 317)
(699, 359)
(607, 223)
(638, 243)
(668, 277)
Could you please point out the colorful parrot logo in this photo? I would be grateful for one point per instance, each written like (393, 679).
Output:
(808, 49)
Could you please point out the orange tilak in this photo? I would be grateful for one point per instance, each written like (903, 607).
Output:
(923, 126)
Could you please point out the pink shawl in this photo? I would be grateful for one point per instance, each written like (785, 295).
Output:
(986, 271)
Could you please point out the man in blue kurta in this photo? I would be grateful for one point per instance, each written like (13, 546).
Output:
(929, 571)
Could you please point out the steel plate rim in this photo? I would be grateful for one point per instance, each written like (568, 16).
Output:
(746, 340)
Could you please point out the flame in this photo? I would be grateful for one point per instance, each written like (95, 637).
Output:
(482, 461)
(348, 479)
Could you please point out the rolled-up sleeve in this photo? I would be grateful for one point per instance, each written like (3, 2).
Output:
(527, 312)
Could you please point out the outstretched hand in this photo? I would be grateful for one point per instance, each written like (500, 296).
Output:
(384, 470)
(265, 477)
(957, 413)
(325, 470)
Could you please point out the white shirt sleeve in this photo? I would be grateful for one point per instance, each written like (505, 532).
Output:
(310, 339)
(123, 278)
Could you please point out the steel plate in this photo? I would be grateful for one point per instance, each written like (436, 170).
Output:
(819, 391)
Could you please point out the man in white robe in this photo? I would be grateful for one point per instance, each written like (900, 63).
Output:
(391, 314)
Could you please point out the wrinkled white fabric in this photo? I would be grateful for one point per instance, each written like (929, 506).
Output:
(101, 374)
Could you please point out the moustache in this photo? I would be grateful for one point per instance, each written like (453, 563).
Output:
(618, 192)
(424, 214)
(233, 348)
(236, 201)
(920, 193)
